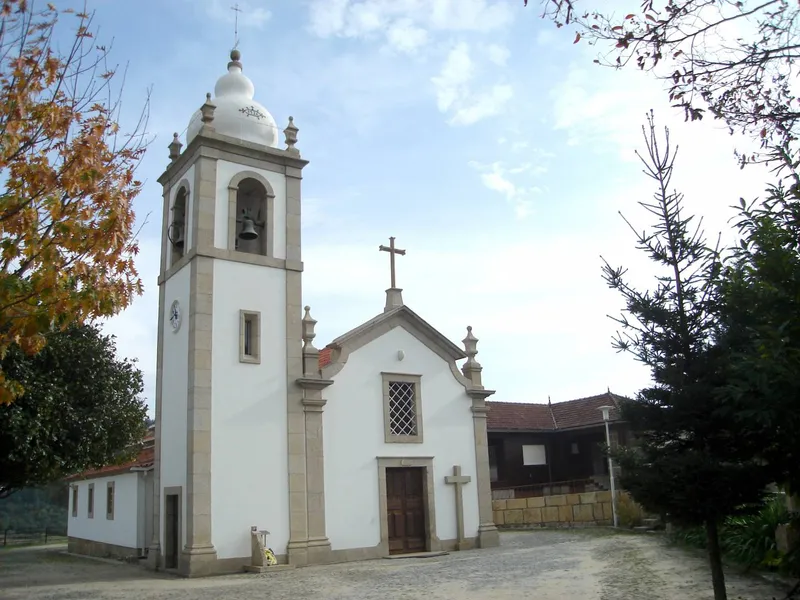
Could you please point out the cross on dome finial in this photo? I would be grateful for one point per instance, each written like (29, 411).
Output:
(236, 10)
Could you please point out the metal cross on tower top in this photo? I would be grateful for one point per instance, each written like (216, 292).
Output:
(392, 251)
(236, 10)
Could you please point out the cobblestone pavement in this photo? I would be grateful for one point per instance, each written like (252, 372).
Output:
(546, 565)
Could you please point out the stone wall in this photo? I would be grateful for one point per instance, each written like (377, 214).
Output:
(101, 549)
(566, 510)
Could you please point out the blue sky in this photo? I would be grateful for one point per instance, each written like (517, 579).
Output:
(476, 133)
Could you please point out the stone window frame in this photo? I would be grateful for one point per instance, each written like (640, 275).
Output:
(90, 502)
(253, 316)
(416, 380)
(75, 496)
(269, 209)
(110, 500)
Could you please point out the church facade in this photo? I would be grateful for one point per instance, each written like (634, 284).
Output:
(374, 445)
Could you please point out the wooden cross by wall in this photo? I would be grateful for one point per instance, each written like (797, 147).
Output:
(392, 251)
(458, 480)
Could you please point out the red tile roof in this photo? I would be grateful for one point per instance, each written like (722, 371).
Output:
(325, 357)
(144, 460)
(515, 415)
(582, 412)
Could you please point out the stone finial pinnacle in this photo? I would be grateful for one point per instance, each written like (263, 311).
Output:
(310, 353)
(472, 368)
(470, 344)
(175, 148)
(291, 136)
(207, 110)
(308, 330)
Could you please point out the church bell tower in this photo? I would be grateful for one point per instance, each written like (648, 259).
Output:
(229, 337)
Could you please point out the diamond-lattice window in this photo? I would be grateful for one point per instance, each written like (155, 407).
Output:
(402, 408)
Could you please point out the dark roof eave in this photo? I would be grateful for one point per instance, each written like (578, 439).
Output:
(560, 429)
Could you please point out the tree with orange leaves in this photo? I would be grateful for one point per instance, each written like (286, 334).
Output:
(67, 238)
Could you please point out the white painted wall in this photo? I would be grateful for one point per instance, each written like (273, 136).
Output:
(145, 503)
(354, 437)
(173, 192)
(124, 528)
(249, 469)
(174, 390)
(225, 172)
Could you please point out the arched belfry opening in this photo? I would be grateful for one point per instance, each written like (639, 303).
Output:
(253, 216)
(177, 225)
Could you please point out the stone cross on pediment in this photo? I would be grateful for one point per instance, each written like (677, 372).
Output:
(392, 250)
(458, 480)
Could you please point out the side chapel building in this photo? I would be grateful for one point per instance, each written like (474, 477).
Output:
(374, 445)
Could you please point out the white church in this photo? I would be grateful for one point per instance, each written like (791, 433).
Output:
(373, 446)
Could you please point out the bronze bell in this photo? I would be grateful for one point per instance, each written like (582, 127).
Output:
(248, 229)
(175, 234)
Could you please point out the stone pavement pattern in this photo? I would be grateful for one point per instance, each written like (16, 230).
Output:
(547, 565)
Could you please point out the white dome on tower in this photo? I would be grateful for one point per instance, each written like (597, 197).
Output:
(237, 115)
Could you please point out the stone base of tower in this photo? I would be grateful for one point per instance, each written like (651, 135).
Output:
(488, 536)
(319, 551)
(154, 558)
(199, 562)
(314, 551)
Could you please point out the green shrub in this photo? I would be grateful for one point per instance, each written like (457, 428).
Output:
(629, 513)
(748, 539)
(689, 536)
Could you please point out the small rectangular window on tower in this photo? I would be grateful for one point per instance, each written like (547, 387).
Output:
(402, 408)
(90, 502)
(249, 336)
(110, 501)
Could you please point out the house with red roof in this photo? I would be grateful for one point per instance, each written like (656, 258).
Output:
(107, 507)
(553, 448)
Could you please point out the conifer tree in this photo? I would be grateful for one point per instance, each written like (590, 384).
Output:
(687, 461)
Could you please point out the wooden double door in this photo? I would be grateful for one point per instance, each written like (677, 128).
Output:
(406, 507)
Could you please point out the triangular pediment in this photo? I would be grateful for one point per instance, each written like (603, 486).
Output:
(339, 349)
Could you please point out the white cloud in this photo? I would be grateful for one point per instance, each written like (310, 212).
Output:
(404, 36)
(482, 105)
(498, 178)
(456, 73)
(455, 94)
(327, 18)
(498, 54)
(363, 18)
(605, 110)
